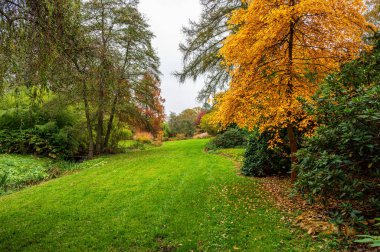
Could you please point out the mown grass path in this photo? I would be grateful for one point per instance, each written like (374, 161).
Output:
(172, 198)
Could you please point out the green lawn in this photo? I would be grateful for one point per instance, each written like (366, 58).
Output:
(236, 154)
(171, 198)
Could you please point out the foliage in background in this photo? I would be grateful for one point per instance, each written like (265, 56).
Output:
(208, 125)
(261, 160)
(166, 130)
(342, 160)
(96, 54)
(231, 138)
(184, 123)
(150, 103)
(124, 75)
(125, 133)
(200, 115)
(143, 137)
(48, 129)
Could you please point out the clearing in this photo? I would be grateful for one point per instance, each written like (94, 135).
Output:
(171, 198)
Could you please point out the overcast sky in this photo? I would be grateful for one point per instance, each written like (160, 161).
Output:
(166, 18)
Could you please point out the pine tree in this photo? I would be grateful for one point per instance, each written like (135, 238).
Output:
(203, 42)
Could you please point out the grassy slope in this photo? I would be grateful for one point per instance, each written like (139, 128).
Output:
(175, 196)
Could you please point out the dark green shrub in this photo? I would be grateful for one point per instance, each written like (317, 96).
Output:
(231, 138)
(19, 118)
(260, 160)
(52, 130)
(342, 160)
(58, 144)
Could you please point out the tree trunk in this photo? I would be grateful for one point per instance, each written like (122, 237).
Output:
(99, 126)
(293, 150)
(88, 120)
(110, 121)
(289, 91)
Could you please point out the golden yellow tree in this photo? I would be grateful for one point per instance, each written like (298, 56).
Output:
(280, 51)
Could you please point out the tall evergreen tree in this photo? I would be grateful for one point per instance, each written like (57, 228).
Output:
(203, 41)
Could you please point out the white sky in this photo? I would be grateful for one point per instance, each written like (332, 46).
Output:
(166, 18)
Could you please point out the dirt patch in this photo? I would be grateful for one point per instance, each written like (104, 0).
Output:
(162, 245)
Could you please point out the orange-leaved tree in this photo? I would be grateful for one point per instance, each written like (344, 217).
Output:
(279, 51)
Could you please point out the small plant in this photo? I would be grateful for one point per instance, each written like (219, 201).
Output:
(125, 134)
(3, 182)
(180, 136)
(373, 241)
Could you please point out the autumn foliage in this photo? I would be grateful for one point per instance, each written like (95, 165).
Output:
(280, 51)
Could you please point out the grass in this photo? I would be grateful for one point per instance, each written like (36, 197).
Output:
(133, 145)
(236, 154)
(127, 143)
(172, 198)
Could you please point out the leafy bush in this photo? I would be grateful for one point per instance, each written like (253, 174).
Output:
(144, 137)
(166, 131)
(55, 144)
(231, 138)
(125, 134)
(342, 160)
(180, 136)
(260, 160)
(51, 130)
